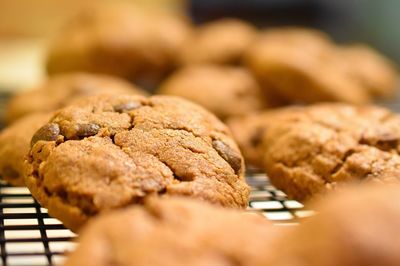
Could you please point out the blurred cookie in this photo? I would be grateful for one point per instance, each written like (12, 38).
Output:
(371, 69)
(302, 68)
(121, 40)
(62, 90)
(15, 144)
(308, 38)
(248, 131)
(357, 227)
(111, 151)
(224, 90)
(206, 235)
(330, 144)
(219, 42)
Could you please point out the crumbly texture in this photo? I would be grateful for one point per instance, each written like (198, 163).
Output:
(62, 90)
(224, 90)
(357, 227)
(302, 67)
(174, 231)
(249, 130)
(330, 144)
(371, 69)
(121, 40)
(112, 151)
(15, 144)
(219, 42)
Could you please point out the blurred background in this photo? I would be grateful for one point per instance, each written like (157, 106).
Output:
(26, 26)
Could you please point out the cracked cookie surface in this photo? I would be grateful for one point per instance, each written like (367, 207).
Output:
(15, 144)
(205, 234)
(330, 144)
(111, 151)
(64, 89)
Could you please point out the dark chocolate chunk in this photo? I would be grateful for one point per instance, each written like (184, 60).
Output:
(126, 107)
(228, 154)
(87, 130)
(48, 132)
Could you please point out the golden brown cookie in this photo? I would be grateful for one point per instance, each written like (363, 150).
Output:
(121, 40)
(302, 67)
(15, 143)
(248, 131)
(357, 227)
(375, 72)
(307, 38)
(111, 151)
(62, 90)
(219, 42)
(330, 144)
(174, 231)
(224, 90)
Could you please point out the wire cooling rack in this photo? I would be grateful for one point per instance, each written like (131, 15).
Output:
(29, 236)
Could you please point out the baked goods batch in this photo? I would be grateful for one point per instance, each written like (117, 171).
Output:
(146, 178)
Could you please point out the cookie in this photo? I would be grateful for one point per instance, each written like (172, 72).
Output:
(62, 90)
(371, 69)
(301, 70)
(248, 131)
(219, 42)
(159, 232)
(224, 90)
(332, 144)
(308, 38)
(15, 144)
(121, 40)
(111, 151)
(355, 227)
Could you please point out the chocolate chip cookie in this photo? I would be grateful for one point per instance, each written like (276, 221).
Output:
(224, 90)
(62, 90)
(248, 131)
(330, 144)
(111, 151)
(121, 40)
(300, 69)
(371, 69)
(219, 42)
(159, 232)
(355, 227)
(15, 144)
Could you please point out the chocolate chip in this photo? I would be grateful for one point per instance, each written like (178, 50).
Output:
(48, 132)
(228, 154)
(384, 141)
(125, 107)
(87, 130)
